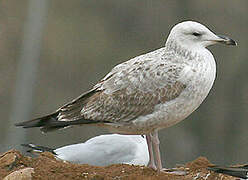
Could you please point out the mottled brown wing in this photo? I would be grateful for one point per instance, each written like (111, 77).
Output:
(131, 89)
(96, 106)
(72, 110)
(120, 106)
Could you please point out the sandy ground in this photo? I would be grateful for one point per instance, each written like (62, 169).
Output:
(15, 166)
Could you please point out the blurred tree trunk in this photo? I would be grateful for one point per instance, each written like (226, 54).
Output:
(27, 70)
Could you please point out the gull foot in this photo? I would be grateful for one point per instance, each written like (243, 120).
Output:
(175, 171)
(153, 166)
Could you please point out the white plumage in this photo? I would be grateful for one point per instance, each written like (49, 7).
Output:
(103, 150)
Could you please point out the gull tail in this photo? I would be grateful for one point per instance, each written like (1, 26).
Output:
(37, 148)
(240, 171)
(50, 123)
(47, 120)
(70, 112)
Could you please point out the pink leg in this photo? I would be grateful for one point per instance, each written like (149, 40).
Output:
(151, 163)
(155, 144)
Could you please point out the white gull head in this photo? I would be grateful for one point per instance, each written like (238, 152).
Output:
(193, 35)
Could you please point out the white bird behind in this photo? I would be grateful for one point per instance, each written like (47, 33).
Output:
(103, 150)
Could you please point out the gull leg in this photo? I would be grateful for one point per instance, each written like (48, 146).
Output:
(155, 143)
(151, 163)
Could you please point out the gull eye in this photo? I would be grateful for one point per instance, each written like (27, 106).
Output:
(196, 34)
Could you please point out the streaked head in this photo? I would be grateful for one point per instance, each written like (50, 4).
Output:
(190, 34)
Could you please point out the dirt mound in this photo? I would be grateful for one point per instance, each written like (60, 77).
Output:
(46, 167)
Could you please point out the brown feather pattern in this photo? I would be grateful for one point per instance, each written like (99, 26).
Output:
(118, 106)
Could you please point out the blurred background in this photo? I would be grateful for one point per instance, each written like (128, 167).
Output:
(52, 51)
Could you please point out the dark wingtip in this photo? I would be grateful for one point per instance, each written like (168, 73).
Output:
(38, 122)
(27, 124)
(213, 168)
(20, 124)
(239, 172)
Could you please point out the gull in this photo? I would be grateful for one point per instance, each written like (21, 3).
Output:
(235, 171)
(102, 150)
(149, 92)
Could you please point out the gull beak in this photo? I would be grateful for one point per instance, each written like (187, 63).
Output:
(225, 40)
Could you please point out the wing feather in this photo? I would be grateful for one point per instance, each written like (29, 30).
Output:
(131, 89)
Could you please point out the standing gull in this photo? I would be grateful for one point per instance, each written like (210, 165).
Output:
(149, 92)
(102, 150)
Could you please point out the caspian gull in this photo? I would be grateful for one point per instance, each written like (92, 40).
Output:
(149, 92)
(102, 150)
